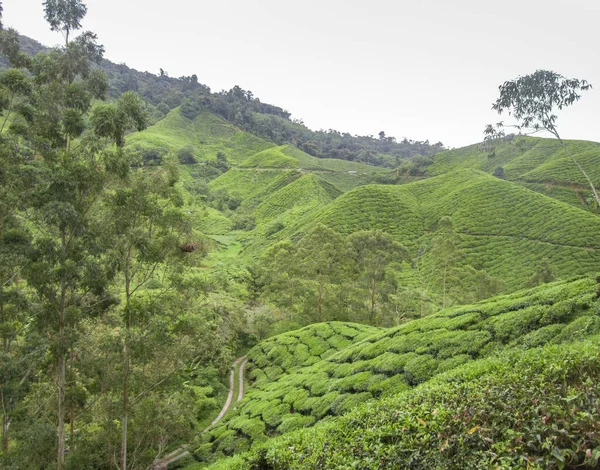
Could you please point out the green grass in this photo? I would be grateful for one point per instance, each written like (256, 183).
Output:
(292, 391)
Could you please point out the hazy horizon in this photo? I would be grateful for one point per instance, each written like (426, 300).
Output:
(422, 71)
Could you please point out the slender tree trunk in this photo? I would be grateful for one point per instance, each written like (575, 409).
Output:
(72, 410)
(582, 170)
(125, 405)
(444, 292)
(373, 292)
(61, 380)
(126, 366)
(4, 422)
(320, 301)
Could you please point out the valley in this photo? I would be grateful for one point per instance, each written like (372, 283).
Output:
(192, 279)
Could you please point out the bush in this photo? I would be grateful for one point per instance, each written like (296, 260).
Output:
(186, 155)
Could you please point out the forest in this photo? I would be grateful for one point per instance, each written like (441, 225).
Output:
(168, 253)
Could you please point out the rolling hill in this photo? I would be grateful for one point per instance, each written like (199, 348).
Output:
(538, 164)
(503, 228)
(325, 370)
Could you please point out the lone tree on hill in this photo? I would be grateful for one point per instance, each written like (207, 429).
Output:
(532, 100)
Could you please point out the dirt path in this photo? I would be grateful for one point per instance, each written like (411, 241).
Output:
(236, 382)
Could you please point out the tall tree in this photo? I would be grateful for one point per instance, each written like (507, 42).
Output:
(446, 254)
(533, 101)
(144, 225)
(320, 255)
(65, 16)
(369, 254)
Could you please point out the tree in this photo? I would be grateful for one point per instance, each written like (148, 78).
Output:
(445, 256)
(320, 254)
(533, 101)
(369, 254)
(68, 269)
(113, 120)
(65, 16)
(144, 225)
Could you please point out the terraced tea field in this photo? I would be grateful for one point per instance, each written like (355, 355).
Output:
(325, 370)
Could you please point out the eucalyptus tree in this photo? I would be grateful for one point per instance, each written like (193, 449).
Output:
(446, 254)
(533, 101)
(320, 256)
(369, 254)
(68, 268)
(65, 16)
(145, 226)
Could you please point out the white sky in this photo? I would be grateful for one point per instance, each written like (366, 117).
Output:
(422, 69)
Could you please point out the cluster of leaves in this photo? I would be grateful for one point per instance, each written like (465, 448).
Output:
(321, 384)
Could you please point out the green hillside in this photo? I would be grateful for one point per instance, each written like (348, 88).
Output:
(304, 194)
(504, 228)
(207, 134)
(539, 164)
(393, 360)
(534, 409)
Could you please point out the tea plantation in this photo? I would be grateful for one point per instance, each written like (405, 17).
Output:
(504, 228)
(531, 160)
(300, 379)
(535, 409)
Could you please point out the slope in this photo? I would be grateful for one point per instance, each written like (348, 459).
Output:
(207, 134)
(504, 228)
(538, 164)
(532, 409)
(395, 360)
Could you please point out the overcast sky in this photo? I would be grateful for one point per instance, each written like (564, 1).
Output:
(421, 69)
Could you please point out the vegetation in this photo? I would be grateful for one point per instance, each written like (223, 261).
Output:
(151, 232)
(533, 99)
(299, 380)
(531, 409)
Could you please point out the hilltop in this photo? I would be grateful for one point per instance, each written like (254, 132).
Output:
(240, 107)
(537, 164)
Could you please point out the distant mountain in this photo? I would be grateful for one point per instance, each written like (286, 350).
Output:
(240, 107)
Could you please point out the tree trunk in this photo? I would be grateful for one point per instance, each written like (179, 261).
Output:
(320, 301)
(444, 292)
(582, 171)
(125, 405)
(72, 410)
(61, 380)
(373, 292)
(4, 422)
(126, 365)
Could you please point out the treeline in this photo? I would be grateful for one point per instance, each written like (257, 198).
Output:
(163, 93)
(112, 347)
(367, 277)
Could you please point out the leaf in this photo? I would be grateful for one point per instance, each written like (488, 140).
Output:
(473, 429)
(422, 422)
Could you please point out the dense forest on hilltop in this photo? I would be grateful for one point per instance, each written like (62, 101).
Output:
(193, 280)
(163, 93)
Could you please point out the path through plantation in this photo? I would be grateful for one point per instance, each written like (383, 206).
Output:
(236, 393)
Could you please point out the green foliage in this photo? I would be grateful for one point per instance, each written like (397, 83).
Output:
(537, 407)
(381, 363)
(541, 165)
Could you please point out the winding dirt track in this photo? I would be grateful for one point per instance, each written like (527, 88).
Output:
(234, 379)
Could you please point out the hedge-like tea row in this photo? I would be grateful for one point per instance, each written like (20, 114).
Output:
(394, 360)
(535, 409)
